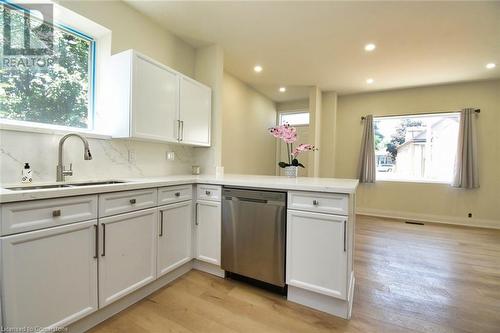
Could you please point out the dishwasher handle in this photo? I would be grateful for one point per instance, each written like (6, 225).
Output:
(264, 201)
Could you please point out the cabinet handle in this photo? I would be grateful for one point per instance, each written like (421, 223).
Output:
(56, 213)
(315, 202)
(182, 130)
(177, 194)
(103, 240)
(96, 230)
(345, 222)
(161, 224)
(207, 192)
(196, 217)
(133, 201)
(178, 130)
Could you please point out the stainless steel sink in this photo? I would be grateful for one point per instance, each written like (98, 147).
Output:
(38, 187)
(51, 186)
(106, 182)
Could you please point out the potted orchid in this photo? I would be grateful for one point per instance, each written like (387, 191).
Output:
(288, 134)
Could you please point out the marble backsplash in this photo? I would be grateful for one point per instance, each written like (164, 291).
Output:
(111, 158)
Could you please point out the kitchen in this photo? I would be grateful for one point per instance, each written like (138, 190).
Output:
(176, 172)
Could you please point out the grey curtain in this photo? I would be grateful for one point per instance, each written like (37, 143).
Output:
(366, 166)
(466, 164)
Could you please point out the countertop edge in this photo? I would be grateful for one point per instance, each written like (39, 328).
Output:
(348, 187)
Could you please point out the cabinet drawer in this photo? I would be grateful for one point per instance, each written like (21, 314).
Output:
(32, 215)
(171, 194)
(209, 192)
(126, 201)
(331, 203)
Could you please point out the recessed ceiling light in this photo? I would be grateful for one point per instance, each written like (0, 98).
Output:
(370, 81)
(282, 89)
(258, 68)
(370, 47)
(491, 65)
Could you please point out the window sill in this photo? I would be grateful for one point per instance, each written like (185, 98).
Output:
(418, 181)
(48, 129)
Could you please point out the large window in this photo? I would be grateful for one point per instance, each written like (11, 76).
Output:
(416, 148)
(53, 88)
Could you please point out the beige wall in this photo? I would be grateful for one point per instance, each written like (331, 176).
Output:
(328, 129)
(247, 147)
(439, 202)
(300, 104)
(132, 30)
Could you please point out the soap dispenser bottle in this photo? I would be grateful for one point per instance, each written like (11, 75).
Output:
(27, 174)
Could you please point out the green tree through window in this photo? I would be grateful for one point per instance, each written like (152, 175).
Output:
(53, 89)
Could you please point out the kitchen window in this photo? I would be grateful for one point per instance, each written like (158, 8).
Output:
(45, 89)
(294, 118)
(416, 148)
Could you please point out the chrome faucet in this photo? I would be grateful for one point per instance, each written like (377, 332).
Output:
(61, 171)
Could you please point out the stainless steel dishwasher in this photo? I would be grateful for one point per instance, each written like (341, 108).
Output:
(253, 234)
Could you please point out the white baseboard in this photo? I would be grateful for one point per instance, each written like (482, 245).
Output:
(208, 268)
(480, 223)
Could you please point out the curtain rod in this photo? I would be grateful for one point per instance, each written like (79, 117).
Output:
(404, 115)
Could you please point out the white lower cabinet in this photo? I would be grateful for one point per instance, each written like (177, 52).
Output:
(316, 253)
(174, 236)
(128, 253)
(49, 276)
(208, 231)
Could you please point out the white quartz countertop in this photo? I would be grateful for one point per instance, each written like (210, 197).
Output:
(330, 185)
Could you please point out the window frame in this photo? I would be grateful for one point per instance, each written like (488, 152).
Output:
(281, 113)
(409, 116)
(36, 127)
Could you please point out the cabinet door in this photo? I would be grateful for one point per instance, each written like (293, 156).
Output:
(174, 236)
(128, 253)
(49, 277)
(208, 231)
(154, 101)
(316, 257)
(195, 112)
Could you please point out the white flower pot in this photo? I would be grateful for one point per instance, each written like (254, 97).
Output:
(291, 171)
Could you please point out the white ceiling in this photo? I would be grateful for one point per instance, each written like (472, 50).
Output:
(322, 43)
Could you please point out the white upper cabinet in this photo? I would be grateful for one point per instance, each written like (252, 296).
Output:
(195, 111)
(155, 91)
(150, 101)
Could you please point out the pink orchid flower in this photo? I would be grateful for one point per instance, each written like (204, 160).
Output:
(302, 148)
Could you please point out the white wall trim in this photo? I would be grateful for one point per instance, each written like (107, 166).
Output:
(470, 222)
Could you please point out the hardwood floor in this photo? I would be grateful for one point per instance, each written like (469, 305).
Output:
(409, 278)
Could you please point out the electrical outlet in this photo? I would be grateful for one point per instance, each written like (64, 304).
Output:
(170, 156)
(131, 156)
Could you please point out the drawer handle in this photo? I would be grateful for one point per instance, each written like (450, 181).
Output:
(177, 194)
(207, 192)
(133, 201)
(56, 213)
(315, 202)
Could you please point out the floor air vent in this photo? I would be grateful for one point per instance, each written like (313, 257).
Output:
(413, 222)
